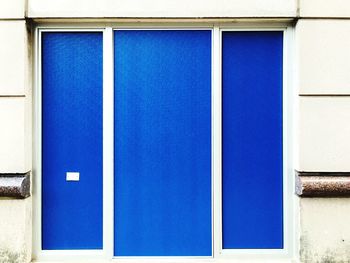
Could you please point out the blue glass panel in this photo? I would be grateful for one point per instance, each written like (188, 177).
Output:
(71, 140)
(162, 143)
(252, 140)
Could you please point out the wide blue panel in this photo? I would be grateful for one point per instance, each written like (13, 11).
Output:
(252, 140)
(162, 143)
(72, 140)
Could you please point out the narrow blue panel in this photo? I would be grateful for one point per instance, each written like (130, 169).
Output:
(72, 140)
(252, 140)
(162, 143)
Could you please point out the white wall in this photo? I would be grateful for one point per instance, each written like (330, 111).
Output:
(162, 8)
(323, 126)
(323, 56)
(16, 230)
(12, 9)
(324, 134)
(13, 58)
(15, 131)
(325, 8)
(325, 235)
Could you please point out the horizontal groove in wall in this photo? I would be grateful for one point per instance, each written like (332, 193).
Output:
(324, 95)
(11, 19)
(12, 96)
(325, 17)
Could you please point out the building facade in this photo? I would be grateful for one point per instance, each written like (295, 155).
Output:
(175, 131)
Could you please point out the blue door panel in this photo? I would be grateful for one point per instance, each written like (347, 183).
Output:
(163, 143)
(71, 140)
(252, 65)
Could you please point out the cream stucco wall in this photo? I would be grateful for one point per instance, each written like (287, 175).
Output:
(323, 134)
(12, 9)
(16, 129)
(325, 235)
(15, 135)
(13, 52)
(323, 131)
(323, 57)
(15, 228)
(325, 8)
(162, 8)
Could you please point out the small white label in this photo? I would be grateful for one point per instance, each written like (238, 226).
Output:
(72, 176)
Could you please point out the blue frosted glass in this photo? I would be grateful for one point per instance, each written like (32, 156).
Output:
(71, 140)
(162, 143)
(252, 140)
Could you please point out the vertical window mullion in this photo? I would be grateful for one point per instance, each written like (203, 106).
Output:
(108, 142)
(217, 140)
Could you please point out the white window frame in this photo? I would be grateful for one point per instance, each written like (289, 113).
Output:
(108, 133)
(290, 213)
(288, 173)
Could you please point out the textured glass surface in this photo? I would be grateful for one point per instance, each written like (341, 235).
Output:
(162, 143)
(252, 139)
(71, 140)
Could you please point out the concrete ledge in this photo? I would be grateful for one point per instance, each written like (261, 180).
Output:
(164, 8)
(15, 185)
(310, 184)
